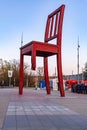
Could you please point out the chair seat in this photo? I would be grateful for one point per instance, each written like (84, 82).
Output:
(42, 49)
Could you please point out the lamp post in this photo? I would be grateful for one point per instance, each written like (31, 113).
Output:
(82, 76)
(78, 61)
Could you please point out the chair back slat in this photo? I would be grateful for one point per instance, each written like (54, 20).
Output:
(51, 26)
(54, 24)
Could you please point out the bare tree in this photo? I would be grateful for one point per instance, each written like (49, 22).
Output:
(85, 72)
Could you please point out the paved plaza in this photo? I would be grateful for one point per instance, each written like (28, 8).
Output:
(35, 110)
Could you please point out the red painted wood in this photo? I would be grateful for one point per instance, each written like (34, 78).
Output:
(44, 49)
(46, 75)
(33, 58)
(21, 74)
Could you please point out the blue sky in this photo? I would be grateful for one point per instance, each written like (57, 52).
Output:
(29, 17)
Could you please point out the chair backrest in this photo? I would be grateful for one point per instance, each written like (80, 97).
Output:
(54, 25)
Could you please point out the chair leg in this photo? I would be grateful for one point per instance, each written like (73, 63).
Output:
(60, 77)
(33, 59)
(46, 75)
(21, 75)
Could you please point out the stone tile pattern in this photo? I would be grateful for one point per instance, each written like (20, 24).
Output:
(42, 115)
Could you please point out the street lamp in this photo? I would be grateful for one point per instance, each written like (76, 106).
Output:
(78, 61)
(82, 76)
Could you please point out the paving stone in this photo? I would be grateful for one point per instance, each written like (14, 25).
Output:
(21, 121)
(34, 110)
(9, 122)
(24, 128)
(65, 128)
(12, 128)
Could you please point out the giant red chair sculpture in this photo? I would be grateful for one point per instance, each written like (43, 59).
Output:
(45, 49)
